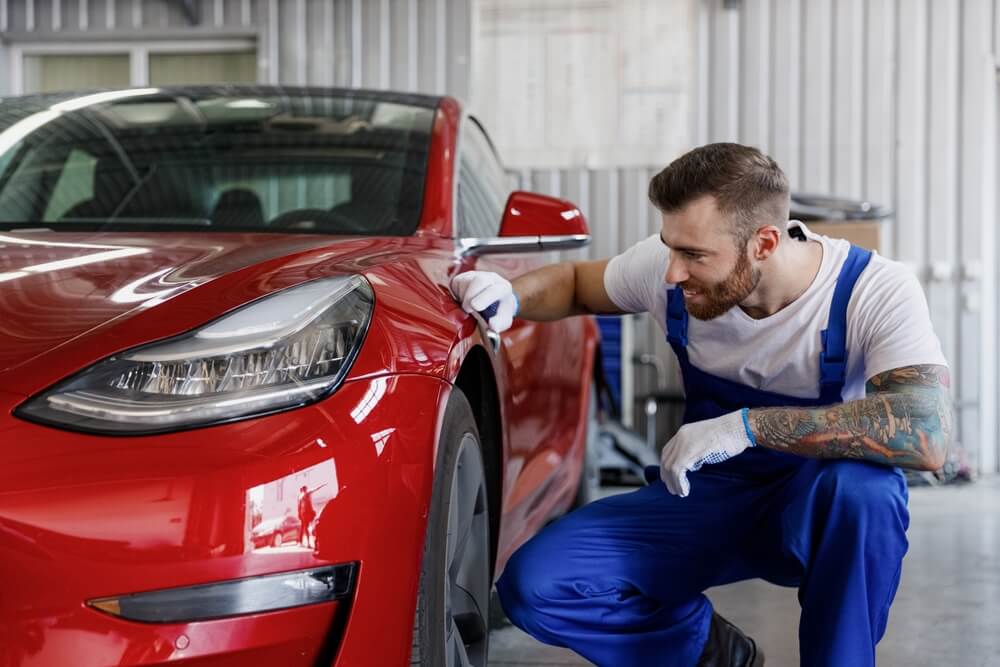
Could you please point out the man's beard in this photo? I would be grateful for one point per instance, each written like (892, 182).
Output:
(714, 300)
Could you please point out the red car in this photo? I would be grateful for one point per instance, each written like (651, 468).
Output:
(220, 307)
(275, 532)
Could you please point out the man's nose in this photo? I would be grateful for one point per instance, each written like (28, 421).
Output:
(676, 271)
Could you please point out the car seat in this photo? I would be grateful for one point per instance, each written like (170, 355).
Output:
(112, 183)
(238, 207)
(375, 194)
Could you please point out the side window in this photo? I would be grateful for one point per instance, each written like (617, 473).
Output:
(482, 185)
(476, 217)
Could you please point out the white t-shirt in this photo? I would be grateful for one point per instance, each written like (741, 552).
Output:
(888, 324)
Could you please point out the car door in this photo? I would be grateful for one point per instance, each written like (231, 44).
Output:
(541, 361)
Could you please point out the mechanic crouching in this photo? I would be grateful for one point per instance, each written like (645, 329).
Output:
(811, 374)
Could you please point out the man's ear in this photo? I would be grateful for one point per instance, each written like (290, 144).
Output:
(764, 242)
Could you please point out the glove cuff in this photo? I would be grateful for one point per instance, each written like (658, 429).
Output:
(745, 414)
(517, 304)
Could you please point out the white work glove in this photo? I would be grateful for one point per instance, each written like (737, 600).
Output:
(695, 444)
(488, 294)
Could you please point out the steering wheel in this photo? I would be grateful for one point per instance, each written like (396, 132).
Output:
(313, 218)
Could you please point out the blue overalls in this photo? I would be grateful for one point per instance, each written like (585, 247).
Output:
(621, 580)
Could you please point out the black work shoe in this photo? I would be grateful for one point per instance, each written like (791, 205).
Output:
(727, 646)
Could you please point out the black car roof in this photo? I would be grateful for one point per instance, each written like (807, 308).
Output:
(27, 104)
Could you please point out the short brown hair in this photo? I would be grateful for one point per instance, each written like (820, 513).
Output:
(748, 186)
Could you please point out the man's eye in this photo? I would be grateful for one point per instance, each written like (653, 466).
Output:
(692, 255)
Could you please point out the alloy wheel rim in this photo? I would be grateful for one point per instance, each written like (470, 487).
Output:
(466, 580)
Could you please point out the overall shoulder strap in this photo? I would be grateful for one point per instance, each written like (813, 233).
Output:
(833, 358)
(677, 318)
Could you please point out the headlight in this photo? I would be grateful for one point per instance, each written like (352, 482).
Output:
(284, 350)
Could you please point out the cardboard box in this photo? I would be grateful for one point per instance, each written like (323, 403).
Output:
(861, 233)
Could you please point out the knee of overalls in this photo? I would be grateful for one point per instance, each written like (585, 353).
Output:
(542, 580)
(520, 586)
(862, 496)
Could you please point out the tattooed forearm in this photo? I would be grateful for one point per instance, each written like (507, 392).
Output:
(905, 420)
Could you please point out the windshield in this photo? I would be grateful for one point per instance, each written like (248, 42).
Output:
(215, 161)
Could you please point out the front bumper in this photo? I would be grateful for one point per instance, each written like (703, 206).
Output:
(85, 517)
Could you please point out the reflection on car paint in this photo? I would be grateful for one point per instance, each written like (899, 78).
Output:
(376, 391)
(281, 513)
(105, 253)
(381, 438)
(151, 289)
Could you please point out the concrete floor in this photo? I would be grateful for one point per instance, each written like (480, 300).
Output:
(947, 610)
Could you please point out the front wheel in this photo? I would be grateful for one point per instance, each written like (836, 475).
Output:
(450, 628)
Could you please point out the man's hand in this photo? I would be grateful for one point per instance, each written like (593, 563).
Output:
(477, 291)
(698, 443)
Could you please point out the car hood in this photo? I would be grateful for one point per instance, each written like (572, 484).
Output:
(57, 288)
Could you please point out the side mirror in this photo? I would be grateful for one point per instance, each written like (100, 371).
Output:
(534, 223)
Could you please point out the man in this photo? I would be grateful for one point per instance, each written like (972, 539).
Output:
(306, 515)
(811, 374)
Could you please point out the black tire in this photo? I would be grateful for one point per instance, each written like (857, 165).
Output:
(590, 477)
(453, 602)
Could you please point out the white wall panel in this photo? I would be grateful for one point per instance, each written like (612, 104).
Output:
(977, 216)
(4, 64)
(816, 101)
(911, 134)
(320, 28)
(595, 83)
(402, 31)
(415, 45)
(847, 103)
(785, 46)
(754, 110)
(878, 104)
(942, 172)
(724, 75)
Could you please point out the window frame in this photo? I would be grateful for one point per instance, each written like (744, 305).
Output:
(138, 54)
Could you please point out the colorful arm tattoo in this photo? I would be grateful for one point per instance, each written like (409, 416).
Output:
(905, 420)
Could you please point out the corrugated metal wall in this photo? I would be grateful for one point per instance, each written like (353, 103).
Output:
(894, 101)
(413, 45)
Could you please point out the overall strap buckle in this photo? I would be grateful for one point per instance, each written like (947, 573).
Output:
(832, 366)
